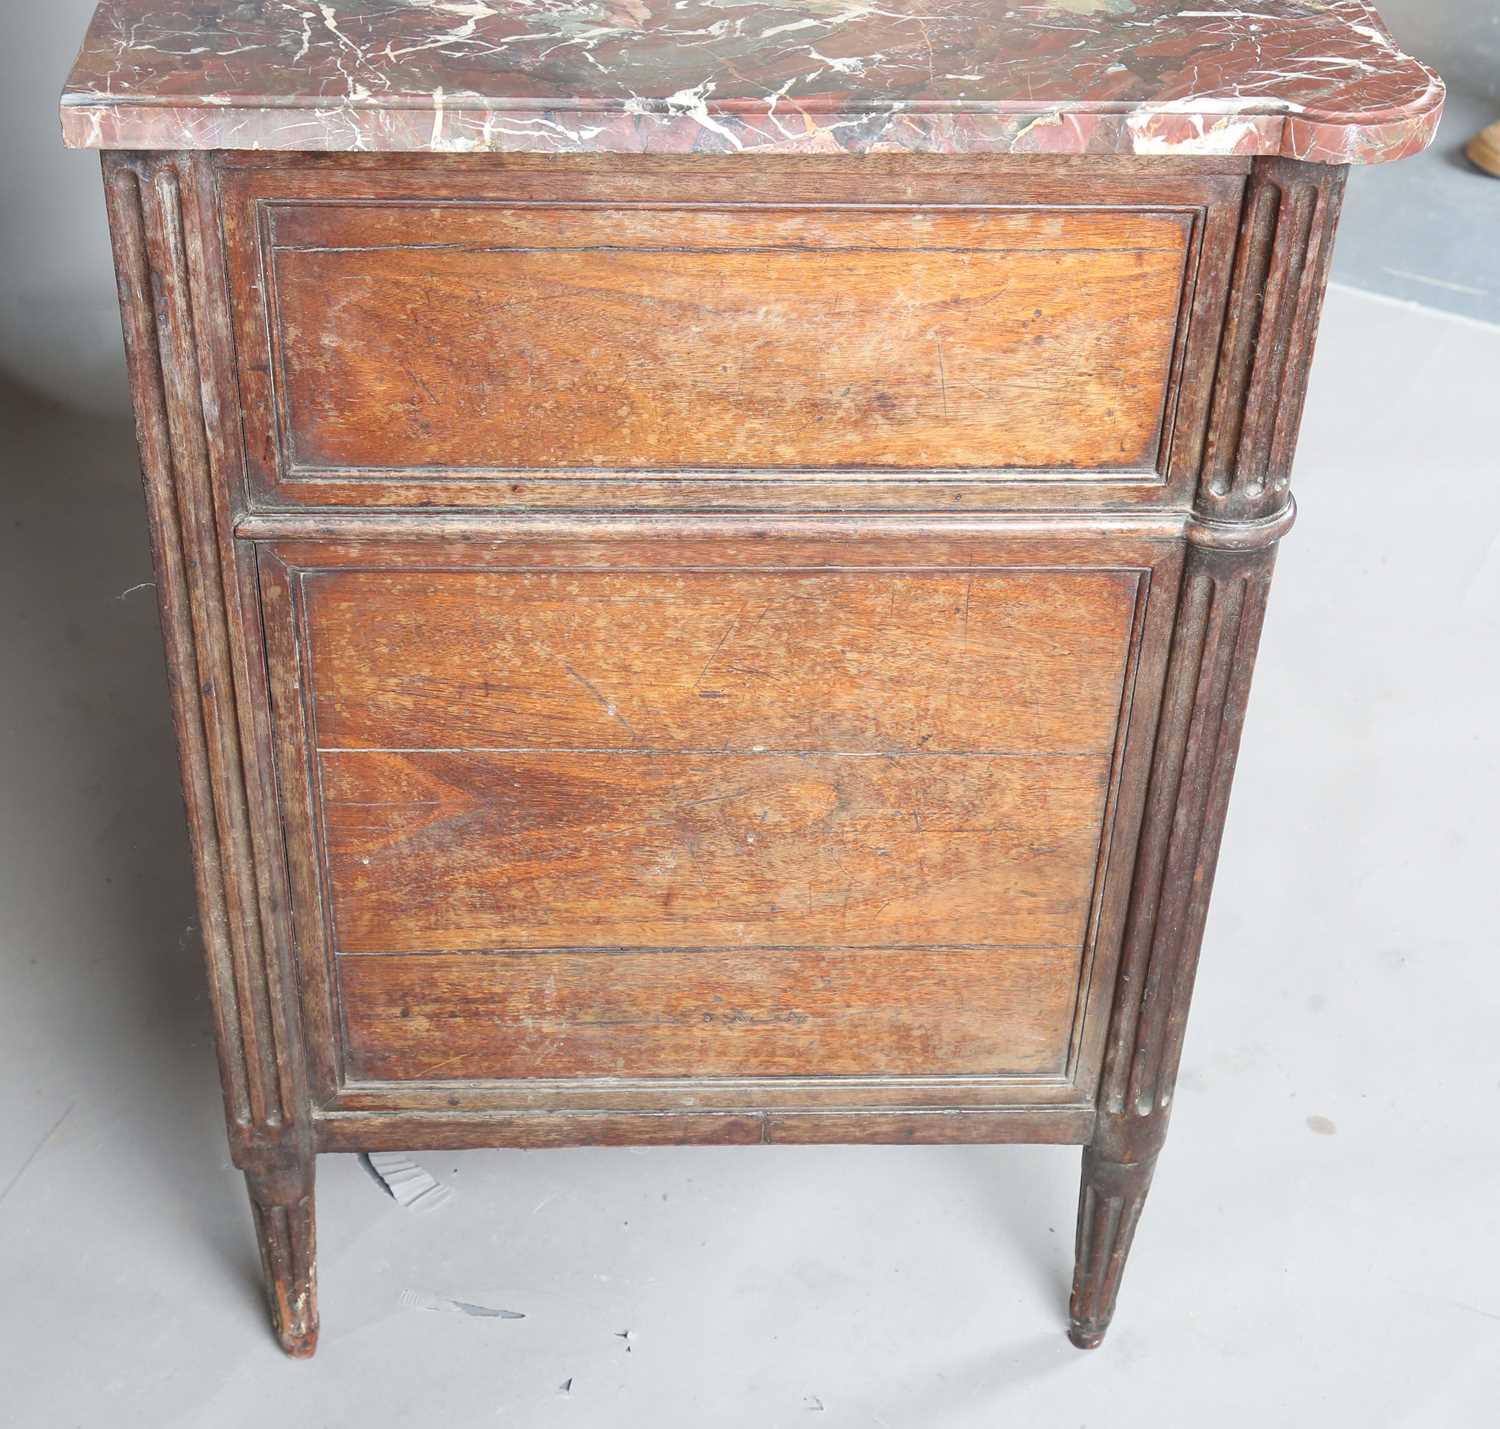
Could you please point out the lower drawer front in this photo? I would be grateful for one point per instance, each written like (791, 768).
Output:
(604, 823)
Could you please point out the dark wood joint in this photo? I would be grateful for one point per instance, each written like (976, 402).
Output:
(278, 1164)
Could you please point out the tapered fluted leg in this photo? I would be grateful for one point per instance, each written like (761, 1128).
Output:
(1241, 510)
(288, 1257)
(1109, 1205)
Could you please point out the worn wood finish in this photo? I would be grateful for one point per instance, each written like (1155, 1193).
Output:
(1280, 278)
(836, 1012)
(1110, 1198)
(1041, 607)
(636, 758)
(798, 334)
(287, 1235)
(829, 1095)
(1221, 609)
(601, 849)
(676, 339)
(452, 1131)
(758, 740)
(714, 758)
(1281, 275)
(797, 661)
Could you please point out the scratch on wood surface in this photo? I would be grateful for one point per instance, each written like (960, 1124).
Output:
(436, 1067)
(728, 631)
(383, 803)
(608, 706)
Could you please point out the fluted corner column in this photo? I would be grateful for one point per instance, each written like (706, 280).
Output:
(1242, 509)
(162, 211)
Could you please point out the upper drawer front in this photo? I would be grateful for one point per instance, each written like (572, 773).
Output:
(503, 352)
(485, 338)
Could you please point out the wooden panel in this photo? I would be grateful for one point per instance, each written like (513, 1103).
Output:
(455, 1131)
(1023, 661)
(930, 1128)
(560, 1125)
(601, 808)
(266, 197)
(977, 1092)
(486, 850)
(847, 1013)
(532, 759)
(629, 339)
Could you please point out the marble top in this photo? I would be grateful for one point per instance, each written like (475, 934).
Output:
(1307, 79)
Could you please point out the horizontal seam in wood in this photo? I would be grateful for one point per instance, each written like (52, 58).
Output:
(719, 753)
(817, 949)
(710, 249)
(675, 1113)
(1020, 207)
(294, 475)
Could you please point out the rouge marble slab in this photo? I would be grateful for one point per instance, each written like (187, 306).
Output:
(1314, 81)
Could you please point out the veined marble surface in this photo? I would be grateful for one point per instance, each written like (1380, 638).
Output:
(1308, 79)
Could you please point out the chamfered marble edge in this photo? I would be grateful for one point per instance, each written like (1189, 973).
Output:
(689, 123)
(452, 129)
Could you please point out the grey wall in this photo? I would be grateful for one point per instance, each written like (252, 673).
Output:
(59, 327)
(1409, 232)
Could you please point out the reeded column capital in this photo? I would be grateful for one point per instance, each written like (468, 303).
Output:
(1280, 277)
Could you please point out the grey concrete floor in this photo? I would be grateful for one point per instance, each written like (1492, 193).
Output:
(1322, 1244)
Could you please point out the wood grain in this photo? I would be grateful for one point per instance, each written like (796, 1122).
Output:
(929, 1091)
(264, 199)
(836, 1012)
(409, 1131)
(563, 1126)
(1024, 661)
(436, 851)
(486, 337)
(704, 759)
(630, 827)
